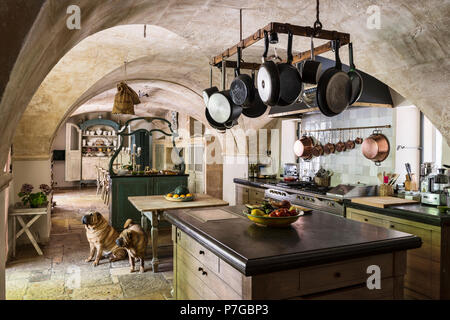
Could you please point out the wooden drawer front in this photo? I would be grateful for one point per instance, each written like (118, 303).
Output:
(198, 251)
(339, 275)
(436, 246)
(186, 290)
(367, 219)
(198, 275)
(357, 293)
(231, 276)
(242, 195)
(256, 196)
(425, 250)
(418, 274)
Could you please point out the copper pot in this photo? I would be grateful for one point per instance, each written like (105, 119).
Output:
(350, 144)
(359, 140)
(329, 148)
(317, 151)
(376, 147)
(340, 146)
(303, 147)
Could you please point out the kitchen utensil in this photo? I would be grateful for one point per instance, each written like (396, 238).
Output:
(334, 88)
(355, 78)
(257, 107)
(98, 132)
(207, 93)
(303, 147)
(218, 126)
(340, 146)
(268, 77)
(317, 150)
(408, 170)
(311, 69)
(382, 202)
(329, 147)
(376, 147)
(222, 109)
(290, 81)
(350, 143)
(242, 88)
(309, 96)
(359, 140)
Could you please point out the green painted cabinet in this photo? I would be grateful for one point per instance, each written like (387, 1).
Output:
(122, 187)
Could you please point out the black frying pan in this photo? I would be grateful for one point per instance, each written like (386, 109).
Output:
(334, 89)
(242, 88)
(212, 123)
(258, 108)
(268, 78)
(290, 80)
(355, 77)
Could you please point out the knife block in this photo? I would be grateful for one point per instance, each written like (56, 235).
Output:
(411, 185)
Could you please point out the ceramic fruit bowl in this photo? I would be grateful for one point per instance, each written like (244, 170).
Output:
(261, 219)
(179, 198)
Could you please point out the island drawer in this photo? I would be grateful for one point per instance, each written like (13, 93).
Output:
(367, 219)
(198, 251)
(207, 283)
(343, 274)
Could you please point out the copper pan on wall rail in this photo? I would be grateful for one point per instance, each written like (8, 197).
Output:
(376, 147)
(303, 147)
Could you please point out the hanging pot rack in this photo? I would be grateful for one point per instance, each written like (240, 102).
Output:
(303, 31)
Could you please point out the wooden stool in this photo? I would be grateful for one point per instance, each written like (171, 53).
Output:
(19, 214)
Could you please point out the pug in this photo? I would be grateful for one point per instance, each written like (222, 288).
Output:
(101, 237)
(134, 240)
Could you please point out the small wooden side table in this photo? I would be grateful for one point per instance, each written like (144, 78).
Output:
(18, 214)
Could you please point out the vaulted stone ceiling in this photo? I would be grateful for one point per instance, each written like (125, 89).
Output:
(410, 52)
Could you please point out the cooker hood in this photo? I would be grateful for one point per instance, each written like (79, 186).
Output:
(375, 94)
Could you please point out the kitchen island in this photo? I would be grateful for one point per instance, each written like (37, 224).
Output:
(220, 254)
(122, 187)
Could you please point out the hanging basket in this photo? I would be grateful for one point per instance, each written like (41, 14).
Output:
(125, 99)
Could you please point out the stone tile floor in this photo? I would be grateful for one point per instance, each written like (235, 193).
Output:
(62, 274)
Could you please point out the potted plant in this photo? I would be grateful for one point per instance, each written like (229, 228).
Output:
(37, 199)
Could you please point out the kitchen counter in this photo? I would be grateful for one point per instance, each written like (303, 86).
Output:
(220, 254)
(314, 239)
(414, 212)
(156, 175)
(255, 182)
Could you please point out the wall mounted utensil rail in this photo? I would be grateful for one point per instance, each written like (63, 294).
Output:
(348, 129)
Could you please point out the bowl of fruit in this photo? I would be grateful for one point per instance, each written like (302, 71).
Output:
(275, 214)
(180, 194)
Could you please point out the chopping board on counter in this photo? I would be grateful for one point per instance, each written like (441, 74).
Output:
(382, 202)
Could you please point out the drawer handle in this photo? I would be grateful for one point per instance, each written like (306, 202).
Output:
(200, 269)
(337, 275)
(201, 252)
(365, 219)
(204, 273)
(392, 226)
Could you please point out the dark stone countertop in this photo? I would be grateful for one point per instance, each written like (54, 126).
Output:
(255, 182)
(149, 176)
(414, 212)
(313, 239)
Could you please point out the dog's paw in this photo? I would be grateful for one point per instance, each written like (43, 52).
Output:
(141, 270)
(132, 270)
(95, 263)
(88, 260)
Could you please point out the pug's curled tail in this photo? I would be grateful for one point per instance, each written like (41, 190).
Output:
(127, 223)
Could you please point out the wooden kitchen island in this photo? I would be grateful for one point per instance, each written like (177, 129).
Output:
(220, 254)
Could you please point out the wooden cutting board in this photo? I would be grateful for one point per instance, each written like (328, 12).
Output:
(382, 202)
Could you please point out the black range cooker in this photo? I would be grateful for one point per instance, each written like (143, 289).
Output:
(306, 194)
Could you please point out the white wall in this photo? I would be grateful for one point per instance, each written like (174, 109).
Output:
(408, 135)
(289, 135)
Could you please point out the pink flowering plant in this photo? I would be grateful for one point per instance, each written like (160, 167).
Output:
(37, 199)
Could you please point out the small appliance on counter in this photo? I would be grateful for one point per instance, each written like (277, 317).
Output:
(433, 188)
(346, 191)
(290, 172)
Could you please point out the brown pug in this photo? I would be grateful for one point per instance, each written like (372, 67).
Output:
(134, 239)
(101, 237)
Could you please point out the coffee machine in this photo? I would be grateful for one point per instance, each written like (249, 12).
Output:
(433, 188)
